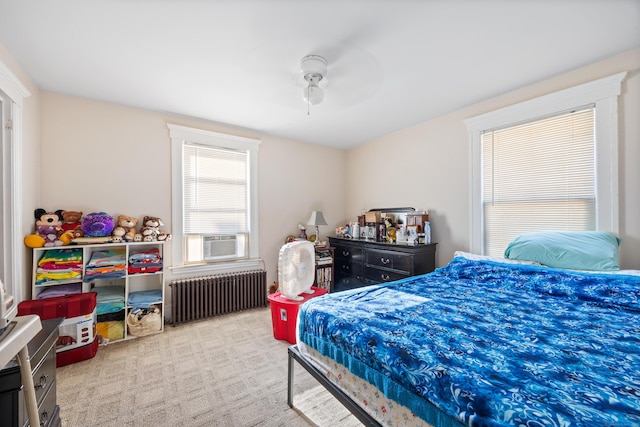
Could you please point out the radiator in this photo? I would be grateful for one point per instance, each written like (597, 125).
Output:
(201, 297)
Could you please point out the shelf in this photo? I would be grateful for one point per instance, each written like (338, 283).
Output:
(129, 282)
(324, 268)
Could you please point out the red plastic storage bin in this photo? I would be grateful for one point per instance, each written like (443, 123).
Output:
(77, 332)
(284, 313)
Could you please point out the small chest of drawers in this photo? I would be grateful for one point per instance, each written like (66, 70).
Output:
(42, 355)
(363, 262)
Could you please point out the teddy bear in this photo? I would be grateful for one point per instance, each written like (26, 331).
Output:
(49, 227)
(154, 223)
(71, 222)
(125, 228)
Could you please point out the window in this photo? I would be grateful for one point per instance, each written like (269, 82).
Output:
(215, 194)
(538, 175)
(546, 164)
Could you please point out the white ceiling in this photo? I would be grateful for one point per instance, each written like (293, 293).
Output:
(392, 63)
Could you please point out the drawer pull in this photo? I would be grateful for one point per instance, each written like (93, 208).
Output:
(385, 261)
(42, 382)
(44, 417)
(385, 277)
(346, 253)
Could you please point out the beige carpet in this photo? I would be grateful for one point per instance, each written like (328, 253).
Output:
(226, 371)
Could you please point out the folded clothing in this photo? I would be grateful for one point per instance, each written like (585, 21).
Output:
(116, 315)
(61, 256)
(109, 307)
(109, 294)
(143, 299)
(58, 265)
(106, 264)
(107, 258)
(147, 261)
(110, 299)
(61, 290)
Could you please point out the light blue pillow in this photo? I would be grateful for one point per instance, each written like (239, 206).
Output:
(575, 250)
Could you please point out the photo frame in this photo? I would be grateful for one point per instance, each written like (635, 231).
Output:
(412, 230)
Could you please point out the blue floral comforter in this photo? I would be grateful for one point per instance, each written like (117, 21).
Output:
(492, 344)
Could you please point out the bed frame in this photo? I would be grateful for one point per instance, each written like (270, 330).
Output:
(353, 407)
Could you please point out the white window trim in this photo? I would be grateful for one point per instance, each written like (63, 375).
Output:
(178, 135)
(603, 93)
(14, 261)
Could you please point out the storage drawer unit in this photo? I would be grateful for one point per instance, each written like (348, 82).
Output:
(42, 354)
(364, 262)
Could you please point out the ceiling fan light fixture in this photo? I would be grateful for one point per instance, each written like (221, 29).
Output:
(314, 71)
(312, 94)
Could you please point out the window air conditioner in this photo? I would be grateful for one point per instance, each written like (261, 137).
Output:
(219, 247)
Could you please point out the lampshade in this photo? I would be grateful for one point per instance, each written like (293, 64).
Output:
(316, 218)
(313, 94)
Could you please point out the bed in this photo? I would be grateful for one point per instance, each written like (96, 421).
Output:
(480, 342)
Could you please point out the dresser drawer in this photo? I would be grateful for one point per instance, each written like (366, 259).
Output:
(348, 268)
(45, 374)
(47, 408)
(348, 253)
(388, 259)
(379, 275)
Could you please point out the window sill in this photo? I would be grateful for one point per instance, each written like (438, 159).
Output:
(218, 268)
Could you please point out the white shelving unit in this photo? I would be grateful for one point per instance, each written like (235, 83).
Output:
(131, 282)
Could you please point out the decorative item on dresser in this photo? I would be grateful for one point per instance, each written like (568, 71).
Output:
(360, 262)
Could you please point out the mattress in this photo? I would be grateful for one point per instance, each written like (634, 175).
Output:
(491, 344)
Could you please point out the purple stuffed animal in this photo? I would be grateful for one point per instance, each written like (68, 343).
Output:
(97, 224)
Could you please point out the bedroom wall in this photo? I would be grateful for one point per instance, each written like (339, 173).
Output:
(103, 157)
(427, 165)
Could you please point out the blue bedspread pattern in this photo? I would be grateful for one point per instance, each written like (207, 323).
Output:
(493, 344)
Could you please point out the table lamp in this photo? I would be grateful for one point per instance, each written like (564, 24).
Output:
(317, 219)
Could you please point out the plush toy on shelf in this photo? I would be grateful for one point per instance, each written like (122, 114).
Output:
(71, 221)
(49, 227)
(125, 228)
(151, 230)
(97, 224)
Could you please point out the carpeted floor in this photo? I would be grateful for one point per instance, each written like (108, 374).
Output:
(225, 371)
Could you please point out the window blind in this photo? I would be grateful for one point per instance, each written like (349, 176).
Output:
(215, 190)
(538, 176)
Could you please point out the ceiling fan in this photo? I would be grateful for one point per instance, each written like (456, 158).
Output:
(314, 73)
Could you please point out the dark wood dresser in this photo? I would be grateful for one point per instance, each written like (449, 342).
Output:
(364, 262)
(42, 354)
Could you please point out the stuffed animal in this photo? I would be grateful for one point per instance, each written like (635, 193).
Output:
(49, 226)
(148, 234)
(154, 224)
(33, 241)
(97, 224)
(71, 222)
(126, 228)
